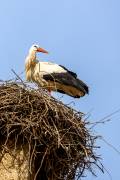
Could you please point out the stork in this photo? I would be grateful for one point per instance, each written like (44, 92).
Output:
(51, 76)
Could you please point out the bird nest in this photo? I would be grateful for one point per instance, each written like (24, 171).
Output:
(59, 142)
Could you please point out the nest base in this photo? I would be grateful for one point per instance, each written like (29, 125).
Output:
(41, 138)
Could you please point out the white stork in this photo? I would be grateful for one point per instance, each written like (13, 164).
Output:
(53, 77)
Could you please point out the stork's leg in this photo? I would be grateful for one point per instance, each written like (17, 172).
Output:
(49, 91)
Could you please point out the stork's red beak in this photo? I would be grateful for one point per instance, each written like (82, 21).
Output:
(41, 50)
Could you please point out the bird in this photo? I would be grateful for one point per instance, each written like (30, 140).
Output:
(51, 76)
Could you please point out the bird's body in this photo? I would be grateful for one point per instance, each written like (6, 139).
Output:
(53, 77)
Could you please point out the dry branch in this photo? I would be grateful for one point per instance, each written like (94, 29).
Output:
(59, 143)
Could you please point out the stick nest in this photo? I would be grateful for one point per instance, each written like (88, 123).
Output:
(60, 145)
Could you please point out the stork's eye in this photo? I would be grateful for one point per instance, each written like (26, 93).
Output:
(35, 46)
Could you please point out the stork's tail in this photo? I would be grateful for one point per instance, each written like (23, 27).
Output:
(82, 86)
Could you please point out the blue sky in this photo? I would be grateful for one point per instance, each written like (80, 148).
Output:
(84, 36)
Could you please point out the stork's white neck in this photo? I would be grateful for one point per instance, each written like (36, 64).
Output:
(30, 64)
(32, 54)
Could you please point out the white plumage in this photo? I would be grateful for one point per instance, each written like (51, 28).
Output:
(48, 68)
(51, 76)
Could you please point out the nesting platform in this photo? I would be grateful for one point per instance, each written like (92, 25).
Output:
(41, 138)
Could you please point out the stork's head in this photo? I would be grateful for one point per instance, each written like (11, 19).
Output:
(36, 48)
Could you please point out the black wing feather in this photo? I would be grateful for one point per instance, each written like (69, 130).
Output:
(72, 73)
(67, 79)
(79, 81)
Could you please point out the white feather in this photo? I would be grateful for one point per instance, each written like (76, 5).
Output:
(48, 68)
